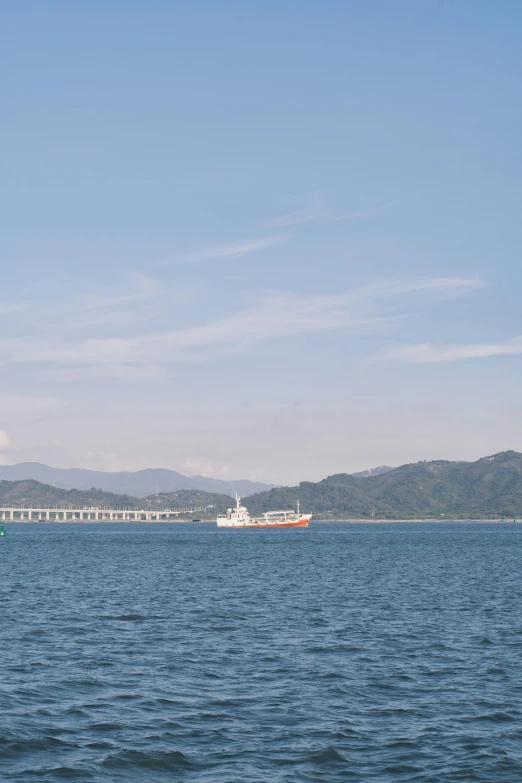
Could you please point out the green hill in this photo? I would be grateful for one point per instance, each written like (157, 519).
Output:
(489, 488)
(34, 493)
(184, 498)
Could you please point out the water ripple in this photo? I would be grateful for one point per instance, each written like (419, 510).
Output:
(166, 653)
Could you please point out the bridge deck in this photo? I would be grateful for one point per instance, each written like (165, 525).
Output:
(35, 514)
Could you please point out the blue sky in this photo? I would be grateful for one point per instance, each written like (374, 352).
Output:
(266, 240)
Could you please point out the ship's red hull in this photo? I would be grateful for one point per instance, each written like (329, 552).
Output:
(299, 523)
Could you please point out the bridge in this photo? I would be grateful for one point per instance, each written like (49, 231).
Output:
(55, 514)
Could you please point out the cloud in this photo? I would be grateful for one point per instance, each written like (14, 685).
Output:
(438, 287)
(136, 299)
(354, 215)
(142, 287)
(312, 214)
(230, 249)
(318, 212)
(5, 441)
(317, 215)
(203, 467)
(274, 317)
(426, 353)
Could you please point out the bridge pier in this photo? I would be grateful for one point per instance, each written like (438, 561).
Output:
(13, 513)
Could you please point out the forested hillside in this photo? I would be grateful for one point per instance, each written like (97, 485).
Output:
(488, 488)
(33, 493)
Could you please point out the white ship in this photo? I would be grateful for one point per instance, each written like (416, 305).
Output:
(239, 517)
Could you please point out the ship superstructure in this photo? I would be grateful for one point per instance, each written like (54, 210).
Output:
(238, 516)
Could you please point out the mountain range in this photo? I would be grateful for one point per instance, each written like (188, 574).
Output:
(489, 488)
(138, 484)
(33, 493)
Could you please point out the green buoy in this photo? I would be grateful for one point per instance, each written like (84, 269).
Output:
(2, 529)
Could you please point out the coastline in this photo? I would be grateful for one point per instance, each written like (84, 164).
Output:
(495, 521)
(383, 521)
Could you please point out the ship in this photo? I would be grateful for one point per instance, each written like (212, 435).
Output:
(239, 517)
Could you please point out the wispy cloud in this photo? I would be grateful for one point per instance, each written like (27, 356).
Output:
(141, 288)
(318, 212)
(426, 353)
(315, 212)
(135, 299)
(274, 317)
(354, 215)
(232, 249)
(440, 287)
(311, 214)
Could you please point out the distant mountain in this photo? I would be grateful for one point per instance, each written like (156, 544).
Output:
(138, 484)
(489, 488)
(34, 493)
(373, 471)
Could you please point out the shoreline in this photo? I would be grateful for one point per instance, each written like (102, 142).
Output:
(348, 521)
(494, 521)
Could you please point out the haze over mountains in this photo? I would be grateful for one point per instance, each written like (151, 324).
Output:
(489, 488)
(138, 484)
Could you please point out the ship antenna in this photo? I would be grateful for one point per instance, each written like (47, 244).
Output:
(237, 501)
(298, 508)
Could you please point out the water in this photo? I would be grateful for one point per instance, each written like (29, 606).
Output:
(155, 653)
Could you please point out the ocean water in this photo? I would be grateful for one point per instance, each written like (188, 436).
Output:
(344, 652)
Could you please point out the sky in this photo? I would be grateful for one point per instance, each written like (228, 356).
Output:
(265, 240)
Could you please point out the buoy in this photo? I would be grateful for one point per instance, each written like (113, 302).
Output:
(2, 529)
